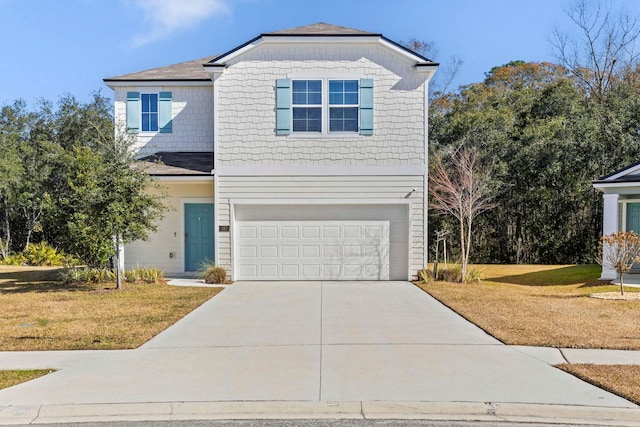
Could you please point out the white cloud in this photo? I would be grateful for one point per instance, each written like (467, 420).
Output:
(166, 17)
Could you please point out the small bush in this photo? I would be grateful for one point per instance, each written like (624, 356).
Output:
(43, 254)
(143, 275)
(101, 275)
(214, 274)
(87, 275)
(474, 275)
(14, 259)
(449, 274)
(425, 275)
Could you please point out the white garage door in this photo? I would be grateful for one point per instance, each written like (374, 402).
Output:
(328, 242)
(311, 250)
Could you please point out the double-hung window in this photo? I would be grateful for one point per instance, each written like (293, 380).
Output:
(307, 105)
(324, 106)
(343, 106)
(149, 112)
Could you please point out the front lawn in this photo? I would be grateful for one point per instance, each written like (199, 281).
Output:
(11, 378)
(41, 313)
(623, 380)
(549, 306)
(543, 305)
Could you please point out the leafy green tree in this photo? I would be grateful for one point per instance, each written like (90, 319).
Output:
(66, 178)
(549, 138)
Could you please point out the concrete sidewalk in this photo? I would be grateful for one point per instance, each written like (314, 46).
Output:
(321, 349)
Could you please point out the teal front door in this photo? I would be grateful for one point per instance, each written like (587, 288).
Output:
(198, 235)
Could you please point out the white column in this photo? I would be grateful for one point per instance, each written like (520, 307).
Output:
(609, 225)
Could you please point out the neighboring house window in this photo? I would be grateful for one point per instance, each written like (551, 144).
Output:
(324, 106)
(149, 112)
(307, 105)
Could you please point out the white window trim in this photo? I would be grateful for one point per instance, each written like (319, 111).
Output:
(325, 133)
(154, 90)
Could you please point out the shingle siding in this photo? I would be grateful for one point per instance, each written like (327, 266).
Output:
(192, 112)
(246, 114)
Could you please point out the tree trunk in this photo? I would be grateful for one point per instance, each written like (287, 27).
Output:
(463, 251)
(118, 275)
(5, 245)
(621, 284)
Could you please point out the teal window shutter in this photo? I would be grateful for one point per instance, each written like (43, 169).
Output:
(283, 106)
(366, 106)
(165, 120)
(133, 112)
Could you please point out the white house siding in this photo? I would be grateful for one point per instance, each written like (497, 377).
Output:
(192, 112)
(155, 252)
(246, 106)
(331, 190)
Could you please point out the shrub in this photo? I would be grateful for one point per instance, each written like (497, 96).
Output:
(101, 275)
(425, 275)
(87, 275)
(15, 259)
(43, 254)
(474, 275)
(214, 274)
(449, 274)
(143, 275)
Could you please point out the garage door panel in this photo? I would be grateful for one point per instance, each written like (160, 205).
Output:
(356, 250)
(324, 226)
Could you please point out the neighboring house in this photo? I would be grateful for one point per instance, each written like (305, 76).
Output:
(621, 196)
(301, 154)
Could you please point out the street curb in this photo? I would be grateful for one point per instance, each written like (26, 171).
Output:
(451, 411)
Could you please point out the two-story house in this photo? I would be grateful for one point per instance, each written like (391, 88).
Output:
(299, 155)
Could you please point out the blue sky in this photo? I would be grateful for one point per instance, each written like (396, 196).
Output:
(56, 47)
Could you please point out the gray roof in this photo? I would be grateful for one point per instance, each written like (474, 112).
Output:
(183, 71)
(321, 29)
(194, 70)
(169, 163)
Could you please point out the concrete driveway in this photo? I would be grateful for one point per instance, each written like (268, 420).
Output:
(310, 342)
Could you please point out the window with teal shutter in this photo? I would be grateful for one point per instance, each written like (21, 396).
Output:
(343, 105)
(324, 106)
(366, 106)
(133, 112)
(283, 106)
(165, 120)
(149, 112)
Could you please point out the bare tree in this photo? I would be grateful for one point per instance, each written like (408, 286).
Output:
(461, 186)
(604, 46)
(619, 250)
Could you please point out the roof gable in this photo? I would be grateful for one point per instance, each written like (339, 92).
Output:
(320, 29)
(192, 72)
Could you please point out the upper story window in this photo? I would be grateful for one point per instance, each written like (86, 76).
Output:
(149, 112)
(343, 106)
(324, 106)
(307, 105)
